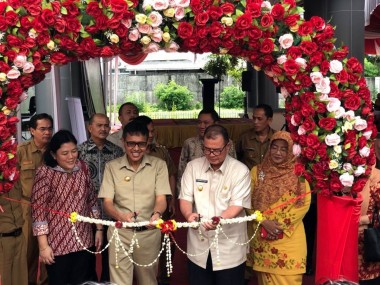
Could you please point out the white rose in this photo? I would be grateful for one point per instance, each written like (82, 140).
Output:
(360, 124)
(302, 63)
(19, 61)
(349, 115)
(333, 164)
(338, 149)
(282, 59)
(286, 41)
(160, 4)
(323, 86)
(346, 179)
(365, 151)
(296, 149)
(339, 113)
(13, 74)
(266, 4)
(301, 130)
(333, 104)
(316, 77)
(335, 66)
(182, 3)
(367, 134)
(28, 67)
(333, 139)
(359, 171)
(347, 166)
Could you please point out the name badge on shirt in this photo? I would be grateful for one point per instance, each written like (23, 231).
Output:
(27, 162)
(201, 180)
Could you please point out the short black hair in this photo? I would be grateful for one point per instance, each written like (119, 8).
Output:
(267, 110)
(212, 112)
(144, 120)
(57, 140)
(216, 130)
(135, 128)
(37, 117)
(126, 104)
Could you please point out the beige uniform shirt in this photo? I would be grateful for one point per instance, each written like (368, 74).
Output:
(161, 152)
(29, 158)
(117, 138)
(211, 193)
(135, 190)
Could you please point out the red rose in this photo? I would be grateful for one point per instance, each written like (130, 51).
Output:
(34, 9)
(71, 8)
(47, 17)
(299, 169)
(3, 5)
(254, 33)
(254, 9)
(56, 6)
(201, 19)
(227, 8)
(59, 58)
(342, 76)
(60, 25)
(25, 22)
(335, 185)
(14, 41)
(43, 38)
(201, 31)
(358, 160)
(328, 46)
(327, 123)
(322, 152)
(352, 102)
(11, 104)
(4, 67)
(318, 23)
(106, 52)
(26, 81)
(312, 141)
(93, 9)
(215, 13)
(3, 24)
(354, 65)
(291, 20)
(244, 22)
(73, 24)
(266, 21)
(215, 29)
(291, 67)
(309, 153)
(308, 124)
(267, 46)
(320, 107)
(11, 18)
(185, 30)
(341, 53)
(306, 28)
(316, 58)
(119, 6)
(294, 52)
(308, 47)
(359, 184)
(307, 110)
(277, 11)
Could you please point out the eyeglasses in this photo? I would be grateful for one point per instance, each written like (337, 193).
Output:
(208, 151)
(43, 130)
(139, 144)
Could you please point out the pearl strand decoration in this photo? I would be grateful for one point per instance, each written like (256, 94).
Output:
(244, 243)
(169, 264)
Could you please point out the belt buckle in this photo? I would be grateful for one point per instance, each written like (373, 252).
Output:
(140, 229)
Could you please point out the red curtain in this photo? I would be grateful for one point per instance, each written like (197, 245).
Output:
(337, 237)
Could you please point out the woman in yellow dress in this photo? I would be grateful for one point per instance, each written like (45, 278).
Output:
(278, 251)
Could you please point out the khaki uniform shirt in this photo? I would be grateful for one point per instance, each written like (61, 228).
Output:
(250, 150)
(135, 190)
(161, 152)
(116, 138)
(11, 219)
(29, 158)
(211, 192)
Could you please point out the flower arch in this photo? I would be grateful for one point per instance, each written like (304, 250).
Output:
(328, 106)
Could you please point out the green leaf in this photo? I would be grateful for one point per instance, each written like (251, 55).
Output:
(63, 11)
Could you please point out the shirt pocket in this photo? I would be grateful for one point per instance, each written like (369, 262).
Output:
(27, 173)
(251, 152)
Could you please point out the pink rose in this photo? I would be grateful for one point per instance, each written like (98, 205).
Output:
(155, 19)
(359, 170)
(281, 59)
(301, 130)
(144, 28)
(152, 47)
(160, 5)
(335, 66)
(349, 115)
(316, 77)
(367, 134)
(13, 74)
(179, 13)
(157, 35)
(146, 3)
(134, 35)
(301, 62)
(172, 47)
(19, 61)
(360, 124)
(346, 179)
(339, 113)
(333, 104)
(323, 86)
(296, 149)
(286, 41)
(182, 3)
(28, 67)
(127, 23)
(333, 139)
(347, 167)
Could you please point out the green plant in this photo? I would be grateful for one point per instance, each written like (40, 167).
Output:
(138, 98)
(218, 65)
(173, 96)
(371, 68)
(232, 97)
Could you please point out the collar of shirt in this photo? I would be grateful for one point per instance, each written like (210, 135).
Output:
(124, 163)
(77, 167)
(222, 168)
(34, 148)
(270, 134)
(92, 145)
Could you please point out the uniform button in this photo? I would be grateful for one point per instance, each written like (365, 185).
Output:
(127, 178)
(200, 188)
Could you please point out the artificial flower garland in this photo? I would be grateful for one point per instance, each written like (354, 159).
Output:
(167, 228)
(328, 105)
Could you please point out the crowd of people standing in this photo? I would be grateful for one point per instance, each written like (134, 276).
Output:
(128, 177)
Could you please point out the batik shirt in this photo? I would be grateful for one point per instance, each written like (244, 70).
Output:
(96, 160)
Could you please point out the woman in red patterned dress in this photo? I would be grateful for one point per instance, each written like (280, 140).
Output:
(64, 185)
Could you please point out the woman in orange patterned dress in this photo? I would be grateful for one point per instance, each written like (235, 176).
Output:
(278, 252)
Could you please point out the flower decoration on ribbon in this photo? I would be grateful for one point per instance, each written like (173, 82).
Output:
(166, 227)
(73, 217)
(328, 105)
